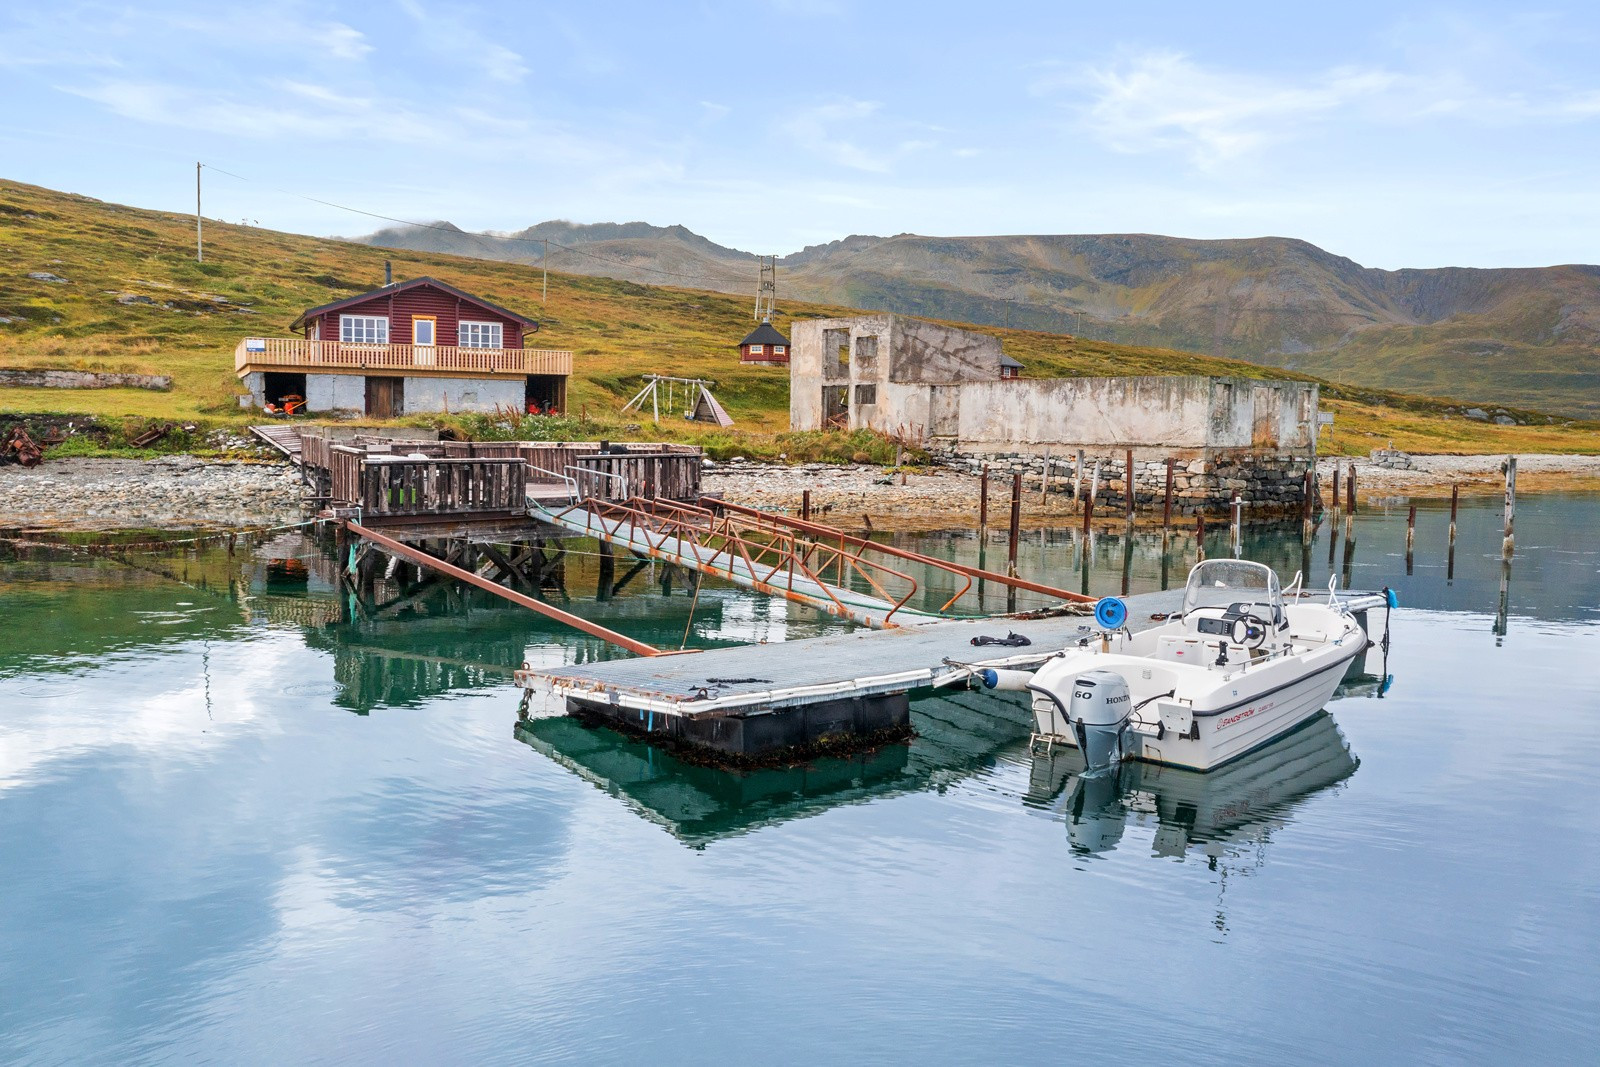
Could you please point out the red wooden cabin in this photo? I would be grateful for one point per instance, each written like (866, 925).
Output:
(765, 345)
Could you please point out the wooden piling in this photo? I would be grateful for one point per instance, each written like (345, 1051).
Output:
(1044, 478)
(1200, 535)
(1305, 507)
(983, 499)
(1127, 484)
(1238, 522)
(1016, 523)
(805, 505)
(1166, 506)
(1411, 535)
(1450, 555)
(1077, 477)
(1350, 490)
(1508, 547)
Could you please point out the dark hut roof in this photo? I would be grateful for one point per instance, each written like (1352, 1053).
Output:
(1007, 361)
(765, 334)
(400, 287)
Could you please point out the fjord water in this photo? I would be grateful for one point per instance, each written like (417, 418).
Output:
(236, 828)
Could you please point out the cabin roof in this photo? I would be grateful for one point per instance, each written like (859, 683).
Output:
(414, 283)
(765, 334)
(1007, 361)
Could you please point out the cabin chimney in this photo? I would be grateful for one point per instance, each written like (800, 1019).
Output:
(388, 273)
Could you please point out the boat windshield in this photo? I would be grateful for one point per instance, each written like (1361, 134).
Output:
(1217, 583)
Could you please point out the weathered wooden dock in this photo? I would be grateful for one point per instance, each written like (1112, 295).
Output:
(753, 702)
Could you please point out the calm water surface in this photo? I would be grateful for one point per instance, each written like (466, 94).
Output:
(236, 828)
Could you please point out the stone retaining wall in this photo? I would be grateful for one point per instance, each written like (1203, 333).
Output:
(77, 379)
(1203, 481)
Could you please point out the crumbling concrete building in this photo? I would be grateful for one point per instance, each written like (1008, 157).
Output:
(946, 388)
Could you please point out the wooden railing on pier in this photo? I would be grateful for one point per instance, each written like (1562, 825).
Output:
(384, 476)
(441, 486)
(275, 352)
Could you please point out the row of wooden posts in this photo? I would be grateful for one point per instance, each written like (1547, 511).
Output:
(1309, 500)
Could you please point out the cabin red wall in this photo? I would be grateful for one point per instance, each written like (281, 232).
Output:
(422, 300)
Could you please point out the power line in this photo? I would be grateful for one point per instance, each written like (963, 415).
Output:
(544, 241)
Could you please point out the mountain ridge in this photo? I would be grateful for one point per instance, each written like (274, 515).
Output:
(1528, 336)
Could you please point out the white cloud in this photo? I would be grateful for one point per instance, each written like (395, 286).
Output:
(813, 130)
(449, 33)
(1164, 101)
(283, 110)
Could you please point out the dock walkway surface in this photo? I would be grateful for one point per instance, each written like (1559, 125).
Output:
(863, 663)
(753, 679)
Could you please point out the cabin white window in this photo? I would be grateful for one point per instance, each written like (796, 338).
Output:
(480, 335)
(364, 329)
(756, 350)
(778, 350)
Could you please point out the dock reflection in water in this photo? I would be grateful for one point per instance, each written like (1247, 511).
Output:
(958, 735)
(1241, 802)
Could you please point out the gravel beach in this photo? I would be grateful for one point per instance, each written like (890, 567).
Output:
(174, 492)
(181, 492)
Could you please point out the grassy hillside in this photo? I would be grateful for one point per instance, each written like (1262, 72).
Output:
(134, 299)
(1528, 337)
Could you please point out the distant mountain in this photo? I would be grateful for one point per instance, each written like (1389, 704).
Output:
(1526, 337)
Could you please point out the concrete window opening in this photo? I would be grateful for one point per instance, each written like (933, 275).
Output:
(836, 353)
(835, 407)
(545, 394)
(278, 385)
(866, 394)
(866, 358)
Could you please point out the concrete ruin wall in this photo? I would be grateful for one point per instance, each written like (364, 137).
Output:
(1171, 412)
(891, 362)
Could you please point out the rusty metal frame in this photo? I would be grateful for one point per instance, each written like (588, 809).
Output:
(761, 545)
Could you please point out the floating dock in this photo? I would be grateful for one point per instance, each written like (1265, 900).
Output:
(755, 703)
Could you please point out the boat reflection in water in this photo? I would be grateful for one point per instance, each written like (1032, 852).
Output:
(1237, 803)
(958, 734)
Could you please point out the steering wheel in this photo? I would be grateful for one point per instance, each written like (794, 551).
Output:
(1255, 631)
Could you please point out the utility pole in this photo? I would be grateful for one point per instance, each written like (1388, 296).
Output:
(545, 263)
(766, 288)
(199, 236)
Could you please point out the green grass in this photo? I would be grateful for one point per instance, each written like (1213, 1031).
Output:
(254, 282)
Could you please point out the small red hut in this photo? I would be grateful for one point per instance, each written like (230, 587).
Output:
(765, 345)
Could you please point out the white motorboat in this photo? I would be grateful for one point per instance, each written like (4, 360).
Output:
(1240, 666)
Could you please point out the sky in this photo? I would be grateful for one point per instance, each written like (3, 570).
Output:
(1398, 134)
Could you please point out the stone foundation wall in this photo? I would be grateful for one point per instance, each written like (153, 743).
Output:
(1204, 482)
(77, 379)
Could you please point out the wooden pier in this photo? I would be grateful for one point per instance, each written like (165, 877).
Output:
(755, 703)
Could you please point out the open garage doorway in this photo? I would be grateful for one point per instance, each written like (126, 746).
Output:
(283, 391)
(545, 394)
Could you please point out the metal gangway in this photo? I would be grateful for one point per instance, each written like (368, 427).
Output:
(864, 581)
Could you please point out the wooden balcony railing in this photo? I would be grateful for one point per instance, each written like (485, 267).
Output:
(297, 352)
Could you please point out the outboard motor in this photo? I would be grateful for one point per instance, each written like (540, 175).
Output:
(1099, 713)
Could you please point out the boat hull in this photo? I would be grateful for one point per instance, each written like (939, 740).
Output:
(1242, 727)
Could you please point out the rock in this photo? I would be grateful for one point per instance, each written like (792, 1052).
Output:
(134, 298)
(1504, 420)
(1476, 413)
(46, 276)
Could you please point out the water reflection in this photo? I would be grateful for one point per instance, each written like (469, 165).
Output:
(958, 734)
(1209, 813)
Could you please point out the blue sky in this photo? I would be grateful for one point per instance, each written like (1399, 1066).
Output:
(1397, 134)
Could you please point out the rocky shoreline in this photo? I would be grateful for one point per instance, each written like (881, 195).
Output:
(170, 493)
(185, 493)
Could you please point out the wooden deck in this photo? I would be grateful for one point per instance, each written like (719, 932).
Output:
(755, 700)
